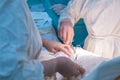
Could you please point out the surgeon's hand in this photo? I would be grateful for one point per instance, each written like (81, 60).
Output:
(66, 31)
(68, 68)
(62, 65)
(57, 46)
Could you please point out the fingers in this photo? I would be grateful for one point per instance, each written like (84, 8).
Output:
(68, 68)
(66, 32)
(69, 37)
(78, 70)
(81, 70)
(54, 50)
(62, 33)
(65, 49)
(68, 47)
(66, 52)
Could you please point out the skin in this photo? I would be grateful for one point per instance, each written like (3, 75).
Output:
(56, 47)
(63, 65)
(66, 31)
(117, 78)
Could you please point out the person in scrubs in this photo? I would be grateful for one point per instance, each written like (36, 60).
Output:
(20, 45)
(102, 19)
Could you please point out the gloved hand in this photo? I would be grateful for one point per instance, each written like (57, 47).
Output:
(55, 47)
(50, 67)
(66, 31)
(68, 68)
(57, 8)
(62, 65)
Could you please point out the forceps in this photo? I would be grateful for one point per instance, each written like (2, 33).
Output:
(74, 51)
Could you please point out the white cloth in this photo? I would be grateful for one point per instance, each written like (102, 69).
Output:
(20, 43)
(102, 19)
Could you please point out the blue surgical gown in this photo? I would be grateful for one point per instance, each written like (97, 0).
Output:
(20, 43)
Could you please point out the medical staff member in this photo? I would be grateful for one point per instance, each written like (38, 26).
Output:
(102, 19)
(20, 44)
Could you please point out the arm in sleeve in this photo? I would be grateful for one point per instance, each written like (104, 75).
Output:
(73, 11)
(14, 64)
(109, 70)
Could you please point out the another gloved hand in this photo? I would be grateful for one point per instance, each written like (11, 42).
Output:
(55, 47)
(68, 68)
(62, 65)
(66, 31)
(50, 67)
(57, 8)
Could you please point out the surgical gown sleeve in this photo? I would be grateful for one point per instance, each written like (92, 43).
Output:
(20, 43)
(74, 10)
(109, 70)
(14, 64)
